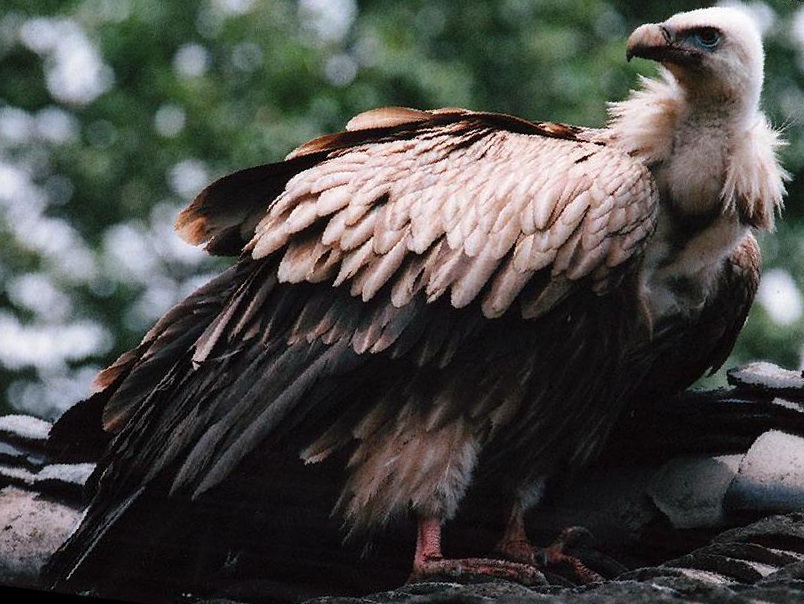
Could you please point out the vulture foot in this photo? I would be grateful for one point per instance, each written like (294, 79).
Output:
(553, 557)
(429, 563)
(433, 568)
(516, 546)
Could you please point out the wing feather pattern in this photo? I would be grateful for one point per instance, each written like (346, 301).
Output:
(434, 208)
(371, 264)
(437, 209)
(400, 183)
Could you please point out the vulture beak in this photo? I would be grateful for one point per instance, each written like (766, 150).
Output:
(661, 42)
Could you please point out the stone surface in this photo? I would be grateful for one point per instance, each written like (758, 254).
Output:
(690, 490)
(771, 475)
(31, 528)
(24, 427)
(763, 377)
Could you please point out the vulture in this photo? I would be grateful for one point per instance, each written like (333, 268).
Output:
(433, 298)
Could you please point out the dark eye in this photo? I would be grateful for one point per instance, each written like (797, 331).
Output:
(708, 37)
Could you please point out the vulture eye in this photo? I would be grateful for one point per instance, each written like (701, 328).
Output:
(707, 37)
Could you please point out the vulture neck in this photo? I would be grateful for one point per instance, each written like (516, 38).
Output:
(687, 141)
(692, 176)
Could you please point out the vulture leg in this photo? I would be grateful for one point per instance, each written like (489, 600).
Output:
(429, 562)
(516, 546)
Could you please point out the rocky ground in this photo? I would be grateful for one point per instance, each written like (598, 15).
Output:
(702, 505)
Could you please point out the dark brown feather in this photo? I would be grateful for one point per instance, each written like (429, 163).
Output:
(685, 348)
(223, 216)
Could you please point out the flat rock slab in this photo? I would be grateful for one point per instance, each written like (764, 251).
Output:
(32, 528)
(771, 475)
(766, 378)
(690, 490)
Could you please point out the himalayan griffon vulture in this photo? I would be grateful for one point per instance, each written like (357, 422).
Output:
(442, 295)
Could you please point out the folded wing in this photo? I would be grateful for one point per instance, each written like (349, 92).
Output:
(448, 202)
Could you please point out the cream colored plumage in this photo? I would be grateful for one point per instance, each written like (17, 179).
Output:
(580, 208)
(453, 295)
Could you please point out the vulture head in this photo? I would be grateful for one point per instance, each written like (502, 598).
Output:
(714, 53)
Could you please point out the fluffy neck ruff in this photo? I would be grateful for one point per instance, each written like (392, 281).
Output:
(730, 144)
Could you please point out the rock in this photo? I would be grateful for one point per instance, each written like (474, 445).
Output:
(766, 378)
(24, 428)
(690, 490)
(22, 442)
(782, 532)
(771, 475)
(32, 528)
(40, 503)
(24, 461)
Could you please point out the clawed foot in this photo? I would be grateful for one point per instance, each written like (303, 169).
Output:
(526, 574)
(553, 557)
(520, 562)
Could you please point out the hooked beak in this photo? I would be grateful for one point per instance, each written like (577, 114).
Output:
(660, 42)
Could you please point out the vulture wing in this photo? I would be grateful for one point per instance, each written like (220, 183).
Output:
(687, 348)
(378, 266)
(376, 228)
(473, 204)
(738, 288)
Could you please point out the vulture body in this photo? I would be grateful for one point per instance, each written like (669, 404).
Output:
(435, 298)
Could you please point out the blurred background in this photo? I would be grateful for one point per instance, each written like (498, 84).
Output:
(115, 113)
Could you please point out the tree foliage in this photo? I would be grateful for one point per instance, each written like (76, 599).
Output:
(114, 114)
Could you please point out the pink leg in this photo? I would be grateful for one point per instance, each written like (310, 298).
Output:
(514, 544)
(428, 542)
(429, 562)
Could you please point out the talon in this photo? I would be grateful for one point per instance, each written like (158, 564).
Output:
(555, 556)
(488, 567)
(516, 546)
(428, 561)
(518, 550)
